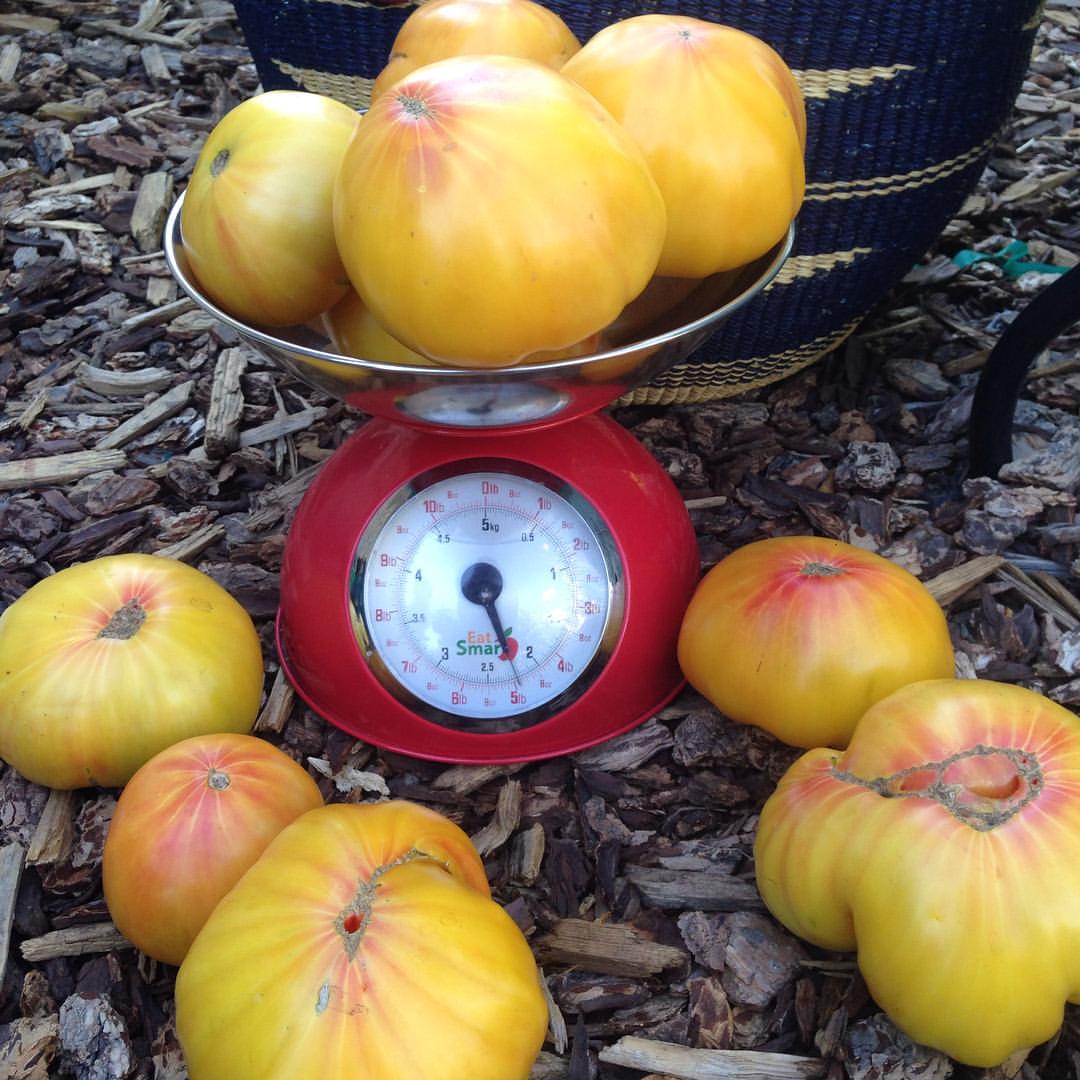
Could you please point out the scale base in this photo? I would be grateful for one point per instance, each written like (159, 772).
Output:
(327, 662)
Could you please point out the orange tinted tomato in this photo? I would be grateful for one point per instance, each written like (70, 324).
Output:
(256, 221)
(442, 28)
(800, 635)
(187, 825)
(488, 209)
(720, 120)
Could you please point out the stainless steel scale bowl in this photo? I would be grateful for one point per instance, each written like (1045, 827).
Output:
(656, 331)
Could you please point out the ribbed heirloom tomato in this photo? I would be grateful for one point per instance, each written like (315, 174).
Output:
(108, 662)
(944, 845)
(187, 825)
(488, 209)
(720, 119)
(364, 944)
(442, 28)
(257, 217)
(800, 635)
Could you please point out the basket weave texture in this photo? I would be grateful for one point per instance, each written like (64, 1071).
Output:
(904, 98)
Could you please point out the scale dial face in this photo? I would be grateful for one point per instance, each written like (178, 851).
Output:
(487, 598)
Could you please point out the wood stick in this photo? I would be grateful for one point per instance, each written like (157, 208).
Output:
(465, 779)
(55, 831)
(169, 404)
(155, 316)
(195, 544)
(286, 424)
(606, 948)
(74, 941)
(58, 469)
(12, 858)
(278, 705)
(150, 380)
(504, 821)
(950, 585)
(527, 854)
(150, 210)
(1057, 591)
(686, 1063)
(1032, 591)
(698, 890)
(226, 403)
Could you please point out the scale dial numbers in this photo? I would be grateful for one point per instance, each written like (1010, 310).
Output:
(487, 596)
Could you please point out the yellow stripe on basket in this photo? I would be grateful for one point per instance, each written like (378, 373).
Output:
(890, 185)
(352, 90)
(691, 384)
(798, 267)
(825, 82)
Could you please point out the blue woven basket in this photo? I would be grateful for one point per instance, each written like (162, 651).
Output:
(905, 99)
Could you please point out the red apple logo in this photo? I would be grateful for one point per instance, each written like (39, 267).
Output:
(511, 647)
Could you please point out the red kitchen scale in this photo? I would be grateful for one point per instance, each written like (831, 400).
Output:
(489, 570)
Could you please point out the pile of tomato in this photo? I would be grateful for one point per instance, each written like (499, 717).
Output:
(933, 827)
(508, 192)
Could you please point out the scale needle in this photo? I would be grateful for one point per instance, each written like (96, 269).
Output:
(481, 584)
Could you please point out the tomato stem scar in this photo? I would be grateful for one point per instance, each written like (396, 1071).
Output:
(982, 786)
(353, 919)
(413, 106)
(817, 569)
(125, 621)
(217, 780)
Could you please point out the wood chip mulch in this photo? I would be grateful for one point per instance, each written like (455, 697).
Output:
(628, 865)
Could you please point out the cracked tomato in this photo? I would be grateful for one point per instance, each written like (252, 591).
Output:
(362, 943)
(943, 845)
(800, 635)
(257, 219)
(443, 28)
(488, 209)
(108, 662)
(187, 825)
(720, 119)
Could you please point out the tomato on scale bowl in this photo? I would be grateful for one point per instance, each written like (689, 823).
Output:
(488, 208)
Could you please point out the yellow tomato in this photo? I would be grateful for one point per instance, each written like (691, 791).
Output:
(362, 944)
(488, 209)
(720, 119)
(187, 825)
(442, 28)
(800, 635)
(944, 845)
(257, 219)
(354, 331)
(108, 662)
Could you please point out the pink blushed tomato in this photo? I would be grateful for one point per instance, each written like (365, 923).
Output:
(800, 635)
(489, 209)
(944, 846)
(363, 943)
(188, 824)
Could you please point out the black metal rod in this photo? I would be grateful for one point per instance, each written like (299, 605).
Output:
(993, 408)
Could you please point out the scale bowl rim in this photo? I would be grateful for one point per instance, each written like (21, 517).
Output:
(773, 260)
